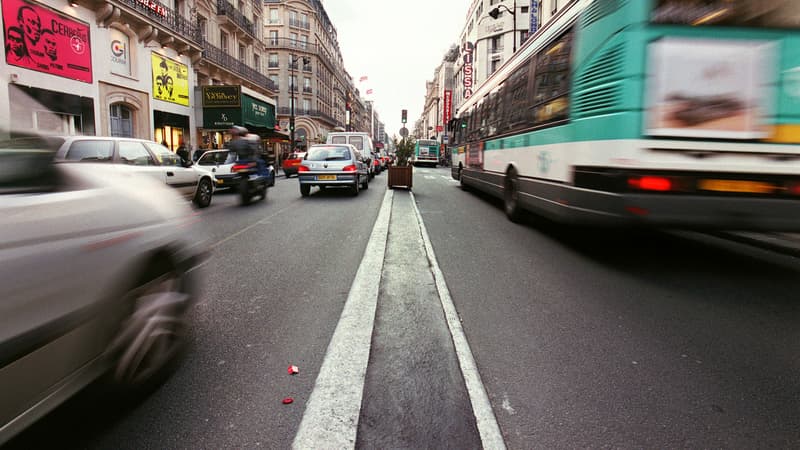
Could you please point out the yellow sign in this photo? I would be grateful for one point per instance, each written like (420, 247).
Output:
(170, 80)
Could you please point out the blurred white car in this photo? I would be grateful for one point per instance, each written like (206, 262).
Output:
(99, 266)
(219, 164)
(145, 156)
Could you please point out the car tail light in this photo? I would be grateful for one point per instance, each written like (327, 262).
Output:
(376, 163)
(303, 169)
(350, 168)
(240, 167)
(650, 183)
(793, 187)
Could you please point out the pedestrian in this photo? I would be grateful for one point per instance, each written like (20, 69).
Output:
(183, 152)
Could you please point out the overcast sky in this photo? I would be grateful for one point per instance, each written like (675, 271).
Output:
(397, 45)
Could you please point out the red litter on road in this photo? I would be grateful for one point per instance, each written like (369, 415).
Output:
(288, 400)
(293, 370)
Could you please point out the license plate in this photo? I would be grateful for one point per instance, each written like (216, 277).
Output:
(756, 187)
(326, 177)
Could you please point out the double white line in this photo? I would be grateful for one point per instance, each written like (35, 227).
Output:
(331, 416)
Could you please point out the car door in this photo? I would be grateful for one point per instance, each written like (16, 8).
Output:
(137, 156)
(183, 179)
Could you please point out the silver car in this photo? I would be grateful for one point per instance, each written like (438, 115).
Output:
(99, 267)
(145, 156)
(333, 165)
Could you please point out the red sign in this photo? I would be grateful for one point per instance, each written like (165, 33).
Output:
(41, 39)
(448, 106)
(439, 128)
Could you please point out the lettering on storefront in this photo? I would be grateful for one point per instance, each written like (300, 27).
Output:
(156, 7)
(221, 96)
(467, 58)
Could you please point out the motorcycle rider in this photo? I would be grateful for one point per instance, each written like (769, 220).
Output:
(246, 146)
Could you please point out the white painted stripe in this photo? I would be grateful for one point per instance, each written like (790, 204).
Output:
(491, 437)
(331, 416)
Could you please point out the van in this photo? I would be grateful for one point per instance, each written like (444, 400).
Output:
(358, 139)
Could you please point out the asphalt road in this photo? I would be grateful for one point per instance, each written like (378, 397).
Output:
(582, 338)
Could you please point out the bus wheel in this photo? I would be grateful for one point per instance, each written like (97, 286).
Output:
(461, 178)
(511, 197)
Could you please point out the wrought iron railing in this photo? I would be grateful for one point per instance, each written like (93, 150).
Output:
(294, 44)
(223, 59)
(299, 24)
(226, 9)
(307, 89)
(286, 110)
(163, 15)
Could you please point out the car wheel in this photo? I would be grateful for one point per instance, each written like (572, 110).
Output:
(272, 180)
(511, 196)
(202, 198)
(263, 192)
(305, 190)
(155, 331)
(355, 188)
(365, 185)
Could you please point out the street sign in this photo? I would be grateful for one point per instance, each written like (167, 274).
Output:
(404, 132)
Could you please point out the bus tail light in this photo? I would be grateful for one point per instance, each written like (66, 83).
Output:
(651, 183)
(793, 188)
(350, 168)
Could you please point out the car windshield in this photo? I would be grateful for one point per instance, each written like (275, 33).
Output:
(328, 153)
(26, 164)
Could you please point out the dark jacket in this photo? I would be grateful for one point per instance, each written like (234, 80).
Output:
(242, 148)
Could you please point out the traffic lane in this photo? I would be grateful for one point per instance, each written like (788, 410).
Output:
(264, 306)
(593, 338)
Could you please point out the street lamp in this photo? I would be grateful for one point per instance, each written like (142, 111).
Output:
(292, 87)
(496, 13)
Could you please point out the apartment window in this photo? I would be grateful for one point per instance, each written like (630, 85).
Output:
(275, 80)
(304, 20)
(293, 18)
(307, 67)
(273, 37)
(241, 6)
(242, 53)
(293, 83)
(273, 16)
(223, 40)
(306, 106)
(523, 9)
(497, 44)
(293, 37)
(555, 6)
(272, 63)
(307, 84)
(257, 62)
(257, 25)
(493, 65)
(303, 41)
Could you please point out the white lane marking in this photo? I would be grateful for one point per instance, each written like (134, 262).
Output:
(430, 177)
(507, 405)
(491, 437)
(331, 416)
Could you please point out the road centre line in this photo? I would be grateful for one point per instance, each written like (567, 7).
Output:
(331, 416)
(491, 437)
(228, 238)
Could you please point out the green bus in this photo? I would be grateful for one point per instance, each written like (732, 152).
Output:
(426, 152)
(665, 113)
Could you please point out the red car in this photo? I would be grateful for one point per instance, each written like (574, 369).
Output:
(290, 164)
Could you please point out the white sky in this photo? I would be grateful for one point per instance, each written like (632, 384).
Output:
(397, 45)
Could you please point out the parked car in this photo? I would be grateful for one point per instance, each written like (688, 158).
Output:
(99, 266)
(290, 164)
(146, 157)
(329, 165)
(219, 164)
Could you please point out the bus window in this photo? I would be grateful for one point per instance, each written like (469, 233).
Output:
(761, 13)
(551, 92)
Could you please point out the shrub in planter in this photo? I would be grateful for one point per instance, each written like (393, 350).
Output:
(400, 173)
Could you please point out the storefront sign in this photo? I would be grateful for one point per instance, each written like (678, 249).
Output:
(222, 96)
(120, 52)
(257, 113)
(534, 17)
(467, 51)
(44, 40)
(221, 118)
(170, 80)
(448, 106)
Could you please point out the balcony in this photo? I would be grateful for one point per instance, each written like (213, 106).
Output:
(307, 89)
(285, 111)
(219, 57)
(154, 19)
(236, 19)
(302, 47)
(299, 24)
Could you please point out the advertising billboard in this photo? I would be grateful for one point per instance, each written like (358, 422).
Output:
(170, 80)
(448, 106)
(710, 88)
(41, 39)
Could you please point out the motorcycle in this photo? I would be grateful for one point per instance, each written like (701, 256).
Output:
(252, 180)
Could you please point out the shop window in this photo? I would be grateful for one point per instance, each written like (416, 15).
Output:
(49, 122)
(121, 121)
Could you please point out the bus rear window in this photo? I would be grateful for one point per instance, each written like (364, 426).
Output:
(746, 13)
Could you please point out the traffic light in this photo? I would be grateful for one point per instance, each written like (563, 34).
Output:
(463, 123)
(495, 13)
(404, 116)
